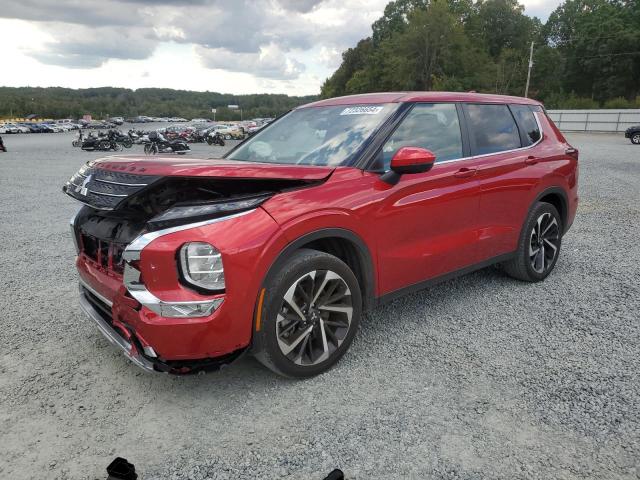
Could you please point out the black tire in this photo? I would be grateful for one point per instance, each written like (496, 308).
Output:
(338, 337)
(532, 262)
(635, 138)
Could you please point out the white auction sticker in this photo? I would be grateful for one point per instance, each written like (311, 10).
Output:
(362, 110)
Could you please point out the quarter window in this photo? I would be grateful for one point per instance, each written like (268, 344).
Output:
(492, 128)
(527, 121)
(434, 126)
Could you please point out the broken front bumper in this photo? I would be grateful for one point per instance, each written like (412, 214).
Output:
(98, 308)
(88, 303)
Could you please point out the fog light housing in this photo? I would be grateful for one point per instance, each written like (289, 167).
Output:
(201, 266)
(189, 309)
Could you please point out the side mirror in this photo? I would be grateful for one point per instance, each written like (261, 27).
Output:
(409, 160)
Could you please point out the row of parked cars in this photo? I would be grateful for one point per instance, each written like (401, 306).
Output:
(52, 126)
(28, 127)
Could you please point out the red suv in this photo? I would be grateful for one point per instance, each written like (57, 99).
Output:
(279, 247)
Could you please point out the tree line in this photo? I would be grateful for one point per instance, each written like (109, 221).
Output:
(586, 55)
(155, 102)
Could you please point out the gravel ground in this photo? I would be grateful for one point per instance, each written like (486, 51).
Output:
(480, 377)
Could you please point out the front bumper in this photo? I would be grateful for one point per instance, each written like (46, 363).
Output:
(98, 309)
(101, 319)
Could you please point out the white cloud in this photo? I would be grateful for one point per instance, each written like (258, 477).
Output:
(287, 46)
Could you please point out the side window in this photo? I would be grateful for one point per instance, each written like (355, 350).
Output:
(526, 120)
(434, 126)
(493, 128)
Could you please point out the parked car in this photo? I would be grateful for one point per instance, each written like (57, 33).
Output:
(229, 132)
(633, 134)
(334, 208)
(10, 128)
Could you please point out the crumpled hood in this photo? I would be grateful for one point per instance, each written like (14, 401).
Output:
(155, 183)
(214, 167)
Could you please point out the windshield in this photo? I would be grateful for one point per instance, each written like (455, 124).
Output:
(325, 136)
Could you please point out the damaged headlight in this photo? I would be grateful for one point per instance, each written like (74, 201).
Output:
(201, 266)
(193, 213)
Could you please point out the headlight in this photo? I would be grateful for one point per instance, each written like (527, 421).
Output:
(202, 266)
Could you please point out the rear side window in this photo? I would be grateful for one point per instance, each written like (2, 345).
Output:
(434, 126)
(528, 124)
(492, 128)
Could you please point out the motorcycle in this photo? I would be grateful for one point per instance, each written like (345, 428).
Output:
(101, 143)
(158, 144)
(215, 138)
(118, 137)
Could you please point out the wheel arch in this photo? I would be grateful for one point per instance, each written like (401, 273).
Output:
(557, 197)
(342, 243)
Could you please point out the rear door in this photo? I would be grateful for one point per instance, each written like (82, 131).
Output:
(502, 148)
(427, 222)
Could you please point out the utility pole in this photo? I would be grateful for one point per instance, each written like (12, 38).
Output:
(526, 89)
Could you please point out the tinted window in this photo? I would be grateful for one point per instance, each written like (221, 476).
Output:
(432, 126)
(524, 116)
(493, 128)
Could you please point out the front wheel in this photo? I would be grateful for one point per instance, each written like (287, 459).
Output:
(635, 138)
(539, 245)
(312, 309)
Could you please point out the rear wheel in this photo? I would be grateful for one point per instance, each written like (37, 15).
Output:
(539, 245)
(635, 138)
(312, 309)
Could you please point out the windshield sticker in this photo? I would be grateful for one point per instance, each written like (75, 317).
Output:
(363, 110)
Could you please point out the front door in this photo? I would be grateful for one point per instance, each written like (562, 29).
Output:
(428, 221)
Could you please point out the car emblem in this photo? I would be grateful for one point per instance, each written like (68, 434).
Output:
(82, 189)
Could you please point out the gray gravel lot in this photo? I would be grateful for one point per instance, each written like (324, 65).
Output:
(480, 377)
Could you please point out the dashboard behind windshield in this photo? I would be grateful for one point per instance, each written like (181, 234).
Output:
(324, 136)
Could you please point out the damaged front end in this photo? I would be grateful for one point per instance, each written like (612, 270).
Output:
(123, 211)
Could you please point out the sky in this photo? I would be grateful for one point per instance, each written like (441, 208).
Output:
(228, 46)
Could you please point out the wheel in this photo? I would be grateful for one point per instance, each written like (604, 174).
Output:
(127, 143)
(539, 245)
(635, 138)
(227, 137)
(312, 308)
(75, 143)
(209, 141)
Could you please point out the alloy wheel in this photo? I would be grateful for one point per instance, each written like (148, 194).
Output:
(636, 138)
(314, 318)
(544, 242)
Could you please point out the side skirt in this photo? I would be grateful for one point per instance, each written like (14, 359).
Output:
(442, 278)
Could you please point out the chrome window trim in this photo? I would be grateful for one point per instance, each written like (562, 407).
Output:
(535, 115)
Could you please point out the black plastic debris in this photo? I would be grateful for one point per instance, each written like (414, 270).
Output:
(120, 469)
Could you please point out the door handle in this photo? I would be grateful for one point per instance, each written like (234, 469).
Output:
(465, 172)
(531, 160)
